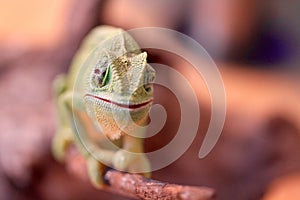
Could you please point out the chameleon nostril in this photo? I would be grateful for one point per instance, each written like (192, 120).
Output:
(148, 88)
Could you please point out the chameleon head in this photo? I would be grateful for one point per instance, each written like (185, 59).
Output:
(120, 92)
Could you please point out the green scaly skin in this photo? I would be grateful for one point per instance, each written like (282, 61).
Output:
(113, 84)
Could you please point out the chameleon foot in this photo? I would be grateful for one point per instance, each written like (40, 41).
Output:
(131, 162)
(60, 143)
(95, 171)
(140, 164)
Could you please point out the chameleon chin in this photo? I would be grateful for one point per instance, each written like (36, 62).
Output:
(114, 99)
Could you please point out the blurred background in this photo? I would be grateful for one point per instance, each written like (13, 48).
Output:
(254, 43)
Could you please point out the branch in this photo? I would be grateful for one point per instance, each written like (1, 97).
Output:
(148, 189)
(136, 186)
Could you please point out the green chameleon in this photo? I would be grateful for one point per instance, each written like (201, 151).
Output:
(103, 104)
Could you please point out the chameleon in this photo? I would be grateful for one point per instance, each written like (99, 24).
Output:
(103, 104)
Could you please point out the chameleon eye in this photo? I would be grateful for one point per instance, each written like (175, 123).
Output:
(99, 77)
(100, 74)
(102, 77)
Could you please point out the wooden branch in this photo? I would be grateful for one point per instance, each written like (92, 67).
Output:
(148, 189)
(136, 186)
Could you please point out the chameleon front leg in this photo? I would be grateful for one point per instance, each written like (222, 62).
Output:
(93, 154)
(64, 135)
(131, 158)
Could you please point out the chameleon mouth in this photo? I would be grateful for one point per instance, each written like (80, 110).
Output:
(128, 106)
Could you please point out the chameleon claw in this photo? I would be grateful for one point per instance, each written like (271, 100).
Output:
(95, 171)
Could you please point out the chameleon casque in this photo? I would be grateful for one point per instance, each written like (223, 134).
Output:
(103, 103)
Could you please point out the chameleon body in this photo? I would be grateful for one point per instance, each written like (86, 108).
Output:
(103, 103)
